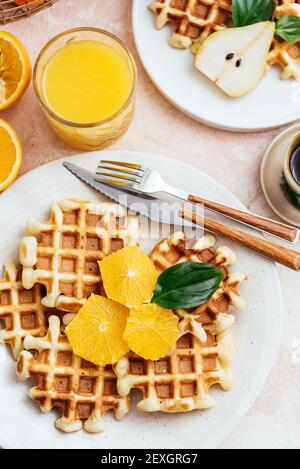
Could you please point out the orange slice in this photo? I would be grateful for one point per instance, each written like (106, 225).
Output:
(15, 70)
(129, 276)
(96, 333)
(151, 331)
(10, 155)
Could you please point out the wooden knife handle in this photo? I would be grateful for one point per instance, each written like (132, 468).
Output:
(268, 249)
(283, 231)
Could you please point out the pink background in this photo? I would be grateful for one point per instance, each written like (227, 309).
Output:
(160, 128)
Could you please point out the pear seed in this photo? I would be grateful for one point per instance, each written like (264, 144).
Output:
(238, 63)
(229, 56)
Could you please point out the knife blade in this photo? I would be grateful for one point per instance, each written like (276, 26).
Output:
(161, 213)
(155, 209)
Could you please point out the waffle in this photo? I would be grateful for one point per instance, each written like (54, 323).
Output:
(213, 315)
(21, 311)
(64, 252)
(193, 20)
(286, 55)
(288, 8)
(181, 381)
(83, 392)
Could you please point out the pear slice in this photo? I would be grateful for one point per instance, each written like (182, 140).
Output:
(236, 58)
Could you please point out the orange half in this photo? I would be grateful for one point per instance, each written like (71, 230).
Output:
(15, 70)
(10, 155)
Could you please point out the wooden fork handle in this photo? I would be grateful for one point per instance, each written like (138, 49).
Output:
(268, 249)
(281, 230)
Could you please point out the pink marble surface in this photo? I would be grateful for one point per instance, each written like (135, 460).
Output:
(274, 420)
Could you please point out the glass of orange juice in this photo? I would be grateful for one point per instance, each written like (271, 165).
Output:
(85, 80)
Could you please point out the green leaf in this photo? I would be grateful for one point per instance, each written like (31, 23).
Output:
(288, 28)
(187, 285)
(246, 12)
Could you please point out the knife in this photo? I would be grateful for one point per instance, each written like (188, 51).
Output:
(158, 211)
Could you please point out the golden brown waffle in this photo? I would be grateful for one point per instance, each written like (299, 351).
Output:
(288, 8)
(213, 315)
(202, 357)
(181, 381)
(194, 20)
(21, 311)
(64, 252)
(286, 55)
(83, 392)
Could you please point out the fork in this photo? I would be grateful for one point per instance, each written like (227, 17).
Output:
(148, 181)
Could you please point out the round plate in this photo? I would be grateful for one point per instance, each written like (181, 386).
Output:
(271, 177)
(273, 103)
(30, 198)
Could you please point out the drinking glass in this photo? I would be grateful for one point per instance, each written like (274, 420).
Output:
(95, 135)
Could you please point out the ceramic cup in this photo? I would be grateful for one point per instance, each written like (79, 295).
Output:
(292, 145)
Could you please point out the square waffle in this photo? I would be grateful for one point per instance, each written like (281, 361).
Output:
(213, 315)
(84, 392)
(64, 252)
(21, 311)
(193, 20)
(181, 381)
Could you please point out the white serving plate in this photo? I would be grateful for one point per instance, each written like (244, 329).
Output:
(274, 103)
(257, 332)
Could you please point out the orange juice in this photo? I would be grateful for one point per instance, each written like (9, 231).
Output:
(86, 81)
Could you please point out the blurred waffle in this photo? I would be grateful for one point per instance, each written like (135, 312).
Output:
(286, 55)
(21, 311)
(64, 252)
(287, 7)
(193, 20)
(83, 392)
(213, 315)
(180, 382)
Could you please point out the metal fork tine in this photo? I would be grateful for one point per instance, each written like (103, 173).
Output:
(125, 185)
(119, 170)
(138, 167)
(119, 176)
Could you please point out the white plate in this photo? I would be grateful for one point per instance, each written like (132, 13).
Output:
(257, 331)
(274, 103)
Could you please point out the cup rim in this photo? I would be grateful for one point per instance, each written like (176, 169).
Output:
(287, 166)
(67, 122)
